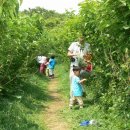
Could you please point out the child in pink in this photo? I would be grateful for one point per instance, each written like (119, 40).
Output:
(43, 66)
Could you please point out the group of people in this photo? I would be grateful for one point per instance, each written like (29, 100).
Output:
(77, 52)
(80, 66)
(46, 65)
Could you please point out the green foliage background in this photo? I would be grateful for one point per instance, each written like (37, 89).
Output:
(104, 23)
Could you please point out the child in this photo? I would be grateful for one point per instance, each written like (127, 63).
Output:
(51, 66)
(89, 66)
(86, 70)
(77, 88)
(43, 66)
(47, 67)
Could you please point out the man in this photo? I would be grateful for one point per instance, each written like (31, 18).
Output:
(76, 50)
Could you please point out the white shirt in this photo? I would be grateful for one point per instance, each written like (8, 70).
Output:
(41, 59)
(75, 48)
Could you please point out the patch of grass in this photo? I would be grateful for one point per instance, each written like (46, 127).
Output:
(63, 77)
(92, 109)
(23, 110)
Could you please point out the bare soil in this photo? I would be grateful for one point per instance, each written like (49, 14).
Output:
(52, 119)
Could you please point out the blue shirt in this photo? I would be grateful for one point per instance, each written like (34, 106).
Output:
(52, 63)
(76, 86)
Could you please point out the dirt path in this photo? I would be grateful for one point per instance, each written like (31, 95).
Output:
(52, 120)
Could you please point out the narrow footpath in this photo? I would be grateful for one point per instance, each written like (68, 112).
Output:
(52, 119)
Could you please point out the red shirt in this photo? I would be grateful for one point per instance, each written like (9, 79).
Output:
(89, 67)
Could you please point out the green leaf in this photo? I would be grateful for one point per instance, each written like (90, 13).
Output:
(0, 10)
(18, 97)
(126, 27)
